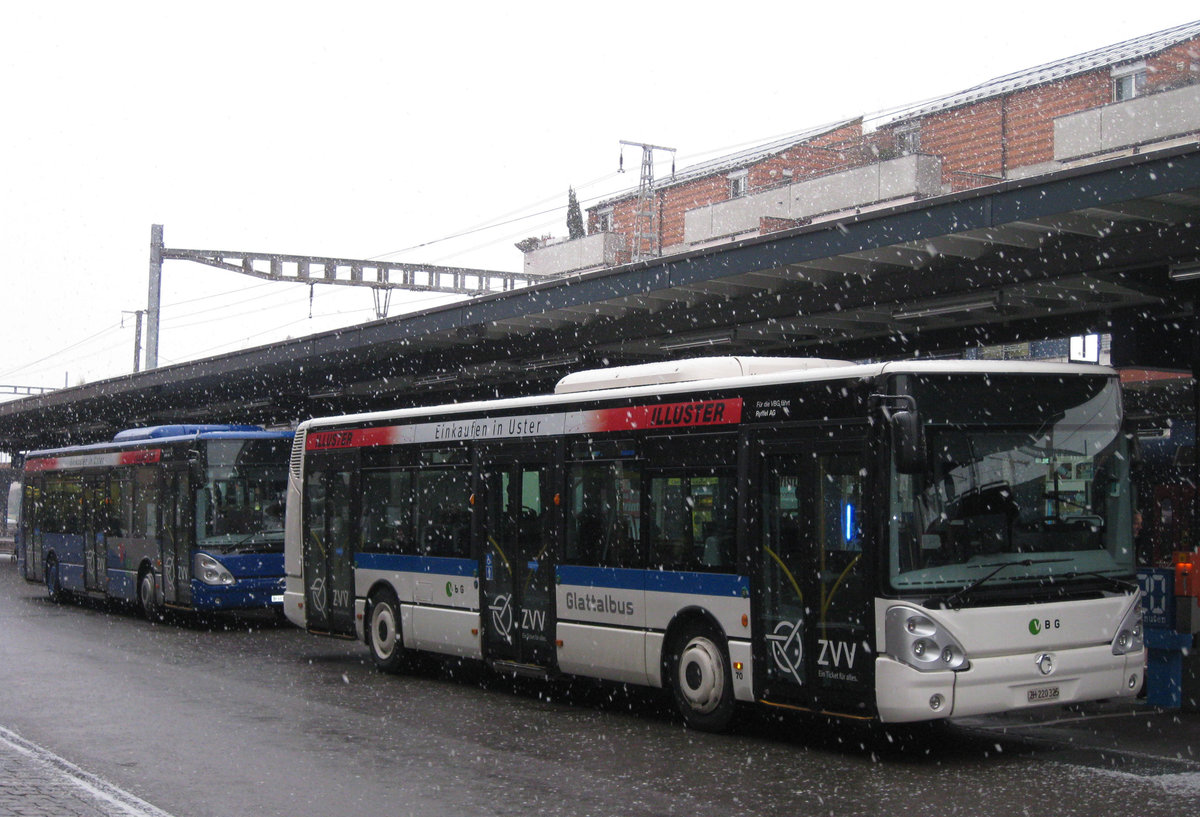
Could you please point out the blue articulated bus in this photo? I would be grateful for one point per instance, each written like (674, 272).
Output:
(188, 517)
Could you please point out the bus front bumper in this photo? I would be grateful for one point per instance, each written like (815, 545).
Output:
(1004, 683)
(246, 593)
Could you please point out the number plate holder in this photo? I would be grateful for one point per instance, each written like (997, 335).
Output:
(1043, 695)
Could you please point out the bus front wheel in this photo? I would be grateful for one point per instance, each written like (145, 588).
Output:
(383, 631)
(700, 680)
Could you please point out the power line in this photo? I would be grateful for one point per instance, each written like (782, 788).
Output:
(65, 349)
(493, 224)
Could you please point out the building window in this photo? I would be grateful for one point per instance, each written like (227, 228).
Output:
(1128, 81)
(908, 139)
(604, 220)
(739, 184)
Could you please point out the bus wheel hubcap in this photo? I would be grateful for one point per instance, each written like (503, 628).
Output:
(701, 679)
(383, 630)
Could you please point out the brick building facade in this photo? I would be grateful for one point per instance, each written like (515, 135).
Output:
(1111, 101)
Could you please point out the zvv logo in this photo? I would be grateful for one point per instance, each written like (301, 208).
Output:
(835, 653)
(317, 595)
(502, 616)
(787, 648)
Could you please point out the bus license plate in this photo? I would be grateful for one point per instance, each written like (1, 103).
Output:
(1042, 695)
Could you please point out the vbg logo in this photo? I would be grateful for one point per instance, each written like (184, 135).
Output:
(1036, 625)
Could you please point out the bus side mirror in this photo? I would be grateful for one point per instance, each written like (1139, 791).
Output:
(906, 439)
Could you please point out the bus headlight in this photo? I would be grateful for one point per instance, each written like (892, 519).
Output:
(210, 571)
(915, 639)
(1129, 636)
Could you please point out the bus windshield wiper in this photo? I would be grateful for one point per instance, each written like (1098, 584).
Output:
(952, 600)
(1113, 582)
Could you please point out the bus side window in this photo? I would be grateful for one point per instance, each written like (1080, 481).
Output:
(443, 512)
(112, 508)
(145, 502)
(603, 509)
(693, 517)
(386, 525)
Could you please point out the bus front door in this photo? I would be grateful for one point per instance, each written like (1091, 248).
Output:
(517, 558)
(330, 511)
(176, 538)
(815, 602)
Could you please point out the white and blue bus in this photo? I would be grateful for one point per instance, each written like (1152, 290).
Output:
(901, 541)
(178, 516)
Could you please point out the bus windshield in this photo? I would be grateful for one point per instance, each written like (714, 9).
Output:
(1036, 493)
(240, 502)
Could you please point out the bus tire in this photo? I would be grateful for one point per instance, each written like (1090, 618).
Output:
(54, 588)
(147, 597)
(384, 638)
(699, 677)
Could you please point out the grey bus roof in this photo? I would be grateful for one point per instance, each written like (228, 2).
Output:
(687, 370)
(802, 374)
(137, 438)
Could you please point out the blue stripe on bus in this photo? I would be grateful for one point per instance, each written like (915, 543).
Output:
(660, 581)
(613, 578)
(440, 565)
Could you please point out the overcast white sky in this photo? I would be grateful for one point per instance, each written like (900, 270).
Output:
(373, 130)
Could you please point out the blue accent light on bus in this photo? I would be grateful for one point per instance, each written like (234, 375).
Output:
(848, 522)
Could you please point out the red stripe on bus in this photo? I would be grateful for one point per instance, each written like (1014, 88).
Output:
(143, 457)
(670, 415)
(351, 438)
(41, 464)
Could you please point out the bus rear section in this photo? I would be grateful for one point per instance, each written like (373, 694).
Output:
(182, 517)
(877, 541)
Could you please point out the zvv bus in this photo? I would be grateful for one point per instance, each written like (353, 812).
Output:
(900, 541)
(181, 516)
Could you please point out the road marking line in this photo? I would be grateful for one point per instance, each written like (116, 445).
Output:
(100, 789)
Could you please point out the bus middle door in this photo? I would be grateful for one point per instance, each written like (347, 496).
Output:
(330, 514)
(95, 544)
(517, 552)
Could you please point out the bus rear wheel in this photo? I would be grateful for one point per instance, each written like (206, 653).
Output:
(147, 597)
(53, 581)
(700, 680)
(383, 631)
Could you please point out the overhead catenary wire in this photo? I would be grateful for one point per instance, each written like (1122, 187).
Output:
(516, 216)
(64, 350)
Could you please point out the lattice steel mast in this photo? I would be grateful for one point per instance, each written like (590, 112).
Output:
(645, 242)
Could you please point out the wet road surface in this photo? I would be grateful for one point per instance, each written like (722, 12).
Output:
(249, 716)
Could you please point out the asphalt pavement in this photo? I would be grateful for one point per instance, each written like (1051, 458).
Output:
(1122, 737)
(1118, 735)
(1137, 742)
(35, 782)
